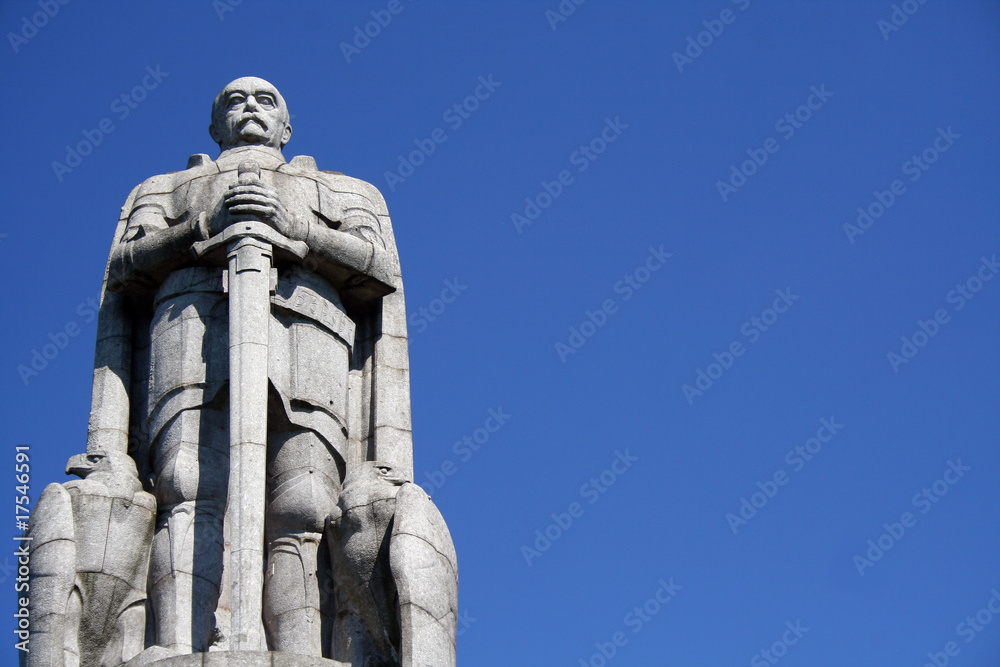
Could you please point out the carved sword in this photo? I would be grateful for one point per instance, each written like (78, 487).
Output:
(250, 280)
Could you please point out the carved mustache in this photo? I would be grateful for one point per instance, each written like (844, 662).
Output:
(251, 117)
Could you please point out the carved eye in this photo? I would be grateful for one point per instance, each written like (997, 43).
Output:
(384, 470)
(94, 458)
(266, 101)
(235, 100)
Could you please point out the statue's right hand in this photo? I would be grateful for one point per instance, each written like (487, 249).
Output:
(219, 220)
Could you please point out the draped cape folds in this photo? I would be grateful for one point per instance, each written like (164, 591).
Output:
(378, 385)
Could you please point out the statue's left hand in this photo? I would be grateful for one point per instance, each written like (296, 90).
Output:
(256, 201)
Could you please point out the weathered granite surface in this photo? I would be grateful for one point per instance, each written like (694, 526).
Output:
(249, 445)
(395, 570)
(89, 558)
(237, 659)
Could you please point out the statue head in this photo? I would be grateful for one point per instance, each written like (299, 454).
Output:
(115, 470)
(387, 473)
(368, 481)
(250, 112)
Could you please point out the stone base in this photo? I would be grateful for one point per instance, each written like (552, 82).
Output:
(233, 659)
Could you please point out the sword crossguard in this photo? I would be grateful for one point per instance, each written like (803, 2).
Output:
(253, 229)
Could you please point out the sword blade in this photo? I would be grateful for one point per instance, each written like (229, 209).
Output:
(249, 318)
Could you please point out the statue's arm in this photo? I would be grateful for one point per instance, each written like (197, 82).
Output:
(151, 248)
(356, 244)
(341, 230)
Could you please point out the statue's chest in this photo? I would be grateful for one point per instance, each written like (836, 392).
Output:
(299, 195)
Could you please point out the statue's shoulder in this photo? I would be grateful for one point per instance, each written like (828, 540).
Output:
(335, 181)
(198, 165)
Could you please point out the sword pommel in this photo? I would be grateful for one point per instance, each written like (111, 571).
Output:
(249, 172)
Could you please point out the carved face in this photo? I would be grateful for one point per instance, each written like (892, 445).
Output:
(250, 112)
(82, 465)
(118, 463)
(388, 473)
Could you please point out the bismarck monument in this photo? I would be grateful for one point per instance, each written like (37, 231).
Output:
(245, 495)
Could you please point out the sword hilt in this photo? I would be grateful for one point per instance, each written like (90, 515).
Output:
(249, 172)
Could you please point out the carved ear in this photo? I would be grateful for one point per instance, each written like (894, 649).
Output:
(286, 135)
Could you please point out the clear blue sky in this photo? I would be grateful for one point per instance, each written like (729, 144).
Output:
(631, 153)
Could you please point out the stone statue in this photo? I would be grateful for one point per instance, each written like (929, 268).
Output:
(251, 356)
(88, 599)
(389, 543)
